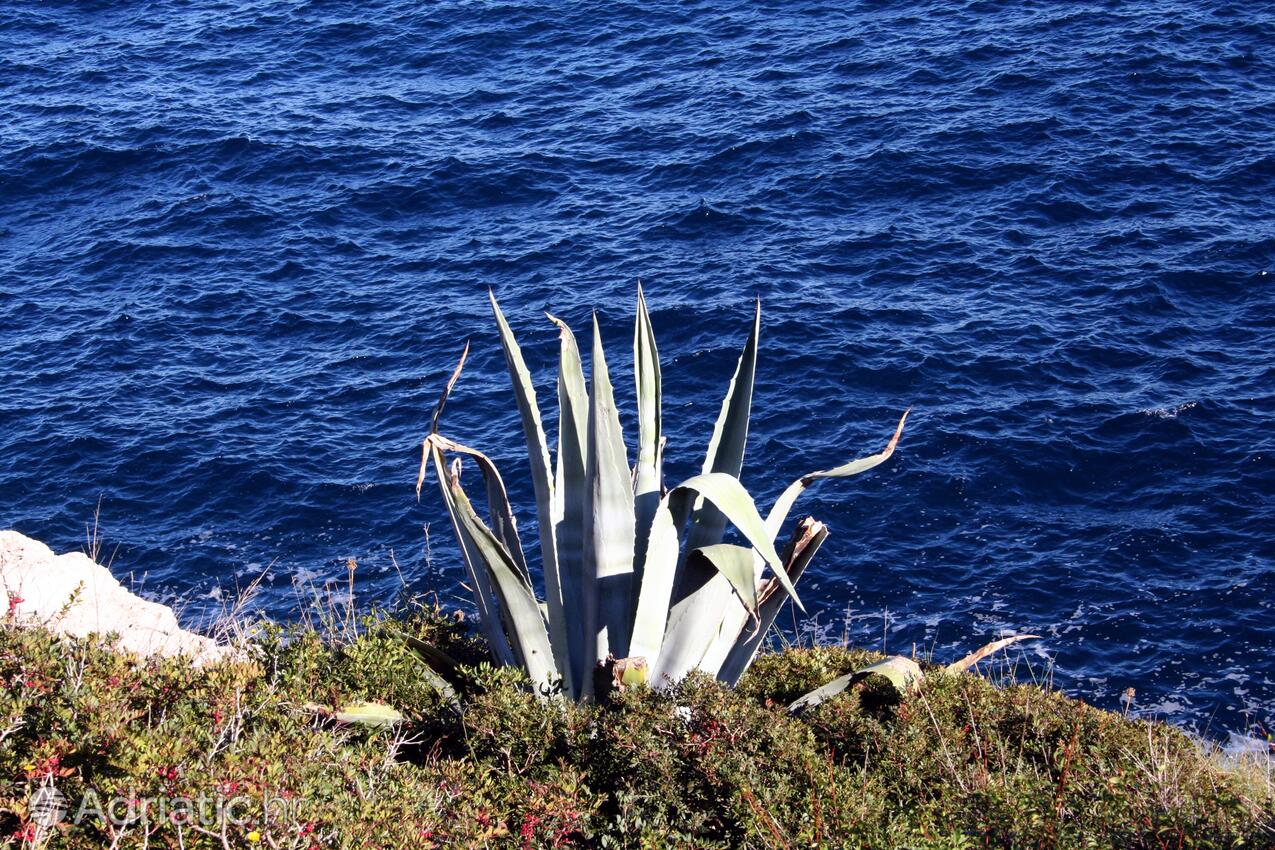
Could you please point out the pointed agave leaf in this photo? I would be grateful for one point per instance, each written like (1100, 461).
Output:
(489, 615)
(982, 652)
(439, 661)
(374, 714)
(701, 594)
(730, 435)
(775, 520)
(541, 479)
(488, 611)
(730, 498)
(507, 625)
(646, 475)
(436, 415)
(503, 524)
(437, 666)
(571, 501)
(682, 650)
(734, 624)
(608, 522)
(735, 563)
(747, 638)
(658, 573)
(524, 619)
(904, 673)
(442, 401)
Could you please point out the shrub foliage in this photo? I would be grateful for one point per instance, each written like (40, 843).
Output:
(961, 763)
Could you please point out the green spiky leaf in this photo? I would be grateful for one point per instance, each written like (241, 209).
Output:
(571, 501)
(374, 714)
(646, 474)
(609, 519)
(542, 483)
(904, 673)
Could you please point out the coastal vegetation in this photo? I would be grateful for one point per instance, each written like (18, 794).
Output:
(640, 583)
(248, 752)
(635, 707)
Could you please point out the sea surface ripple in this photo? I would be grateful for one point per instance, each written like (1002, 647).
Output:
(242, 242)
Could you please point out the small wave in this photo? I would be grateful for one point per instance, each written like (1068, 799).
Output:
(701, 222)
(1172, 412)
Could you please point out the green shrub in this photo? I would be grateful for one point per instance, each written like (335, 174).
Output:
(958, 763)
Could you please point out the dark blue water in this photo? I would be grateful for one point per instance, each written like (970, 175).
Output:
(241, 243)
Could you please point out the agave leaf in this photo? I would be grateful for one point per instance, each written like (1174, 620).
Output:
(542, 482)
(775, 519)
(726, 447)
(571, 501)
(646, 474)
(742, 642)
(439, 661)
(657, 578)
(608, 524)
(525, 622)
(436, 666)
(489, 614)
(442, 401)
(509, 628)
(685, 645)
(368, 714)
(701, 593)
(503, 524)
(729, 496)
(735, 563)
(733, 623)
(436, 415)
(982, 652)
(904, 673)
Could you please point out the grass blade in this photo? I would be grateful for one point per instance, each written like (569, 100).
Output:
(609, 522)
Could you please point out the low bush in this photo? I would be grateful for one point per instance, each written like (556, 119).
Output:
(153, 753)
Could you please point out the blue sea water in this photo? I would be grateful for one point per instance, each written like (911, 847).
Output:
(242, 242)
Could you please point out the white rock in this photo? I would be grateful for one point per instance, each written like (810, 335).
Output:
(71, 594)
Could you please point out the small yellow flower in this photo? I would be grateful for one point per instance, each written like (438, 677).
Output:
(28, 767)
(254, 836)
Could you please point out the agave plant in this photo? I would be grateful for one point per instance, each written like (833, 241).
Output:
(639, 586)
(902, 672)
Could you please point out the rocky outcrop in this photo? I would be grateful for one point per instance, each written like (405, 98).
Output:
(72, 594)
